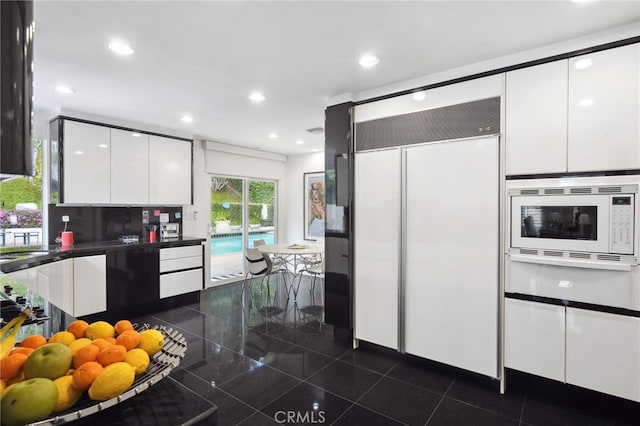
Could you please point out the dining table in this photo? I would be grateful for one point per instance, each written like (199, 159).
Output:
(293, 257)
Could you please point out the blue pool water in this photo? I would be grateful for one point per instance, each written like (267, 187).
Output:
(233, 243)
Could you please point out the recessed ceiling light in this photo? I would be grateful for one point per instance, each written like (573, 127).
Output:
(585, 102)
(186, 118)
(103, 145)
(580, 1)
(299, 142)
(120, 48)
(78, 152)
(136, 134)
(257, 97)
(583, 64)
(65, 90)
(419, 96)
(315, 149)
(368, 61)
(273, 136)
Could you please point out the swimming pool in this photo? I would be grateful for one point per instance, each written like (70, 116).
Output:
(233, 243)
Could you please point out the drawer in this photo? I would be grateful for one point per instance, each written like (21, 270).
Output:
(178, 252)
(180, 263)
(180, 283)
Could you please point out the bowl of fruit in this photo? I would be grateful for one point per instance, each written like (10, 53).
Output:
(82, 370)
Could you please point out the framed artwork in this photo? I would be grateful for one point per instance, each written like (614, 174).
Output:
(314, 205)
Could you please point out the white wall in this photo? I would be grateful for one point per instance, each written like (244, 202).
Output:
(297, 166)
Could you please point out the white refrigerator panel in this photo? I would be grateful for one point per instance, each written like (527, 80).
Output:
(377, 244)
(452, 243)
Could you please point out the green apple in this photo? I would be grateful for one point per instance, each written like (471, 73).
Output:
(50, 361)
(29, 401)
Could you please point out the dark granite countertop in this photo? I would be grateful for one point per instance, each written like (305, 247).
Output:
(40, 255)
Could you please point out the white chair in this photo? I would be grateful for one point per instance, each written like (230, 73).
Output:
(259, 265)
(315, 308)
(279, 262)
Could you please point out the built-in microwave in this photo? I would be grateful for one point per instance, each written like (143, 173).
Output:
(575, 218)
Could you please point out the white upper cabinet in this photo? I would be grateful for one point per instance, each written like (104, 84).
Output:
(536, 119)
(604, 110)
(576, 115)
(86, 169)
(130, 167)
(169, 171)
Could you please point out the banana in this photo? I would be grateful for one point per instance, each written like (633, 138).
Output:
(10, 341)
(8, 326)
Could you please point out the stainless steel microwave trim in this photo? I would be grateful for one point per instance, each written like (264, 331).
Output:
(575, 190)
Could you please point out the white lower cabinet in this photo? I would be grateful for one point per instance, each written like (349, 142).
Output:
(594, 350)
(603, 352)
(184, 265)
(535, 338)
(55, 283)
(89, 285)
(180, 282)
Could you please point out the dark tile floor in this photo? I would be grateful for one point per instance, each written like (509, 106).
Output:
(290, 370)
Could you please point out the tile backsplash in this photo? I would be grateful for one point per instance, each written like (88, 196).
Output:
(91, 224)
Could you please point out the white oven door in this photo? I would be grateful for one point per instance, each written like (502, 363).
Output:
(561, 222)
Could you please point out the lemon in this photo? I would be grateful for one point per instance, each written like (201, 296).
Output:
(67, 394)
(114, 379)
(83, 341)
(100, 330)
(151, 341)
(139, 359)
(63, 337)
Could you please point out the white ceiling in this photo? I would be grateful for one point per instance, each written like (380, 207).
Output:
(204, 58)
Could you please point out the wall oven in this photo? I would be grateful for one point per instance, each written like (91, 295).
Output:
(575, 239)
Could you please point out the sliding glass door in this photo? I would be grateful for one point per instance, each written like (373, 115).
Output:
(242, 211)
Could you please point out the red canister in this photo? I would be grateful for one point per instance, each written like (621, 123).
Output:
(67, 238)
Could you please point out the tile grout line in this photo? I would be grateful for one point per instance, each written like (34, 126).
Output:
(343, 414)
(440, 402)
(524, 401)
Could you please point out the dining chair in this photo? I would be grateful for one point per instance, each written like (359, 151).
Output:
(315, 307)
(259, 266)
(279, 262)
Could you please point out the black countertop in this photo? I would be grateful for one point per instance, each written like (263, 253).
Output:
(40, 255)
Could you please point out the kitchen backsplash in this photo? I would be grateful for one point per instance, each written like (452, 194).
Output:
(91, 224)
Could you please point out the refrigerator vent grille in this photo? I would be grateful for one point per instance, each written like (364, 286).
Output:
(465, 120)
(580, 255)
(581, 190)
(528, 251)
(529, 192)
(553, 253)
(610, 189)
(610, 257)
(553, 191)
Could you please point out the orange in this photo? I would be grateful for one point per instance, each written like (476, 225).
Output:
(86, 374)
(21, 350)
(85, 354)
(11, 366)
(129, 339)
(122, 326)
(102, 343)
(115, 353)
(63, 337)
(34, 341)
(78, 328)
(111, 340)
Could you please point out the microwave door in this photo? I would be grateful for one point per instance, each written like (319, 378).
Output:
(561, 222)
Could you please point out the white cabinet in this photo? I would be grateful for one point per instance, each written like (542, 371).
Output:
(536, 119)
(86, 167)
(181, 270)
(55, 283)
(603, 352)
(27, 277)
(90, 285)
(604, 110)
(575, 115)
(377, 246)
(169, 171)
(535, 338)
(129, 167)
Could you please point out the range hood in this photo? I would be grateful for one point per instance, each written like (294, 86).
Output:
(16, 86)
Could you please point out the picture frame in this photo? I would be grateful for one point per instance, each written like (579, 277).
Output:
(314, 205)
